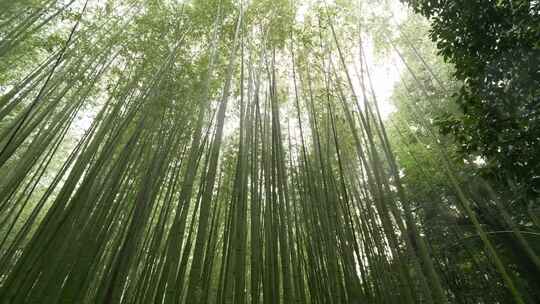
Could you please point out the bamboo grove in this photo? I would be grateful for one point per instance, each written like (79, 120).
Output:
(231, 154)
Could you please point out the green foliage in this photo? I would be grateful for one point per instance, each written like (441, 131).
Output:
(494, 46)
(228, 151)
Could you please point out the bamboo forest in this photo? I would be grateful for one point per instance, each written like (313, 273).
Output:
(270, 151)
